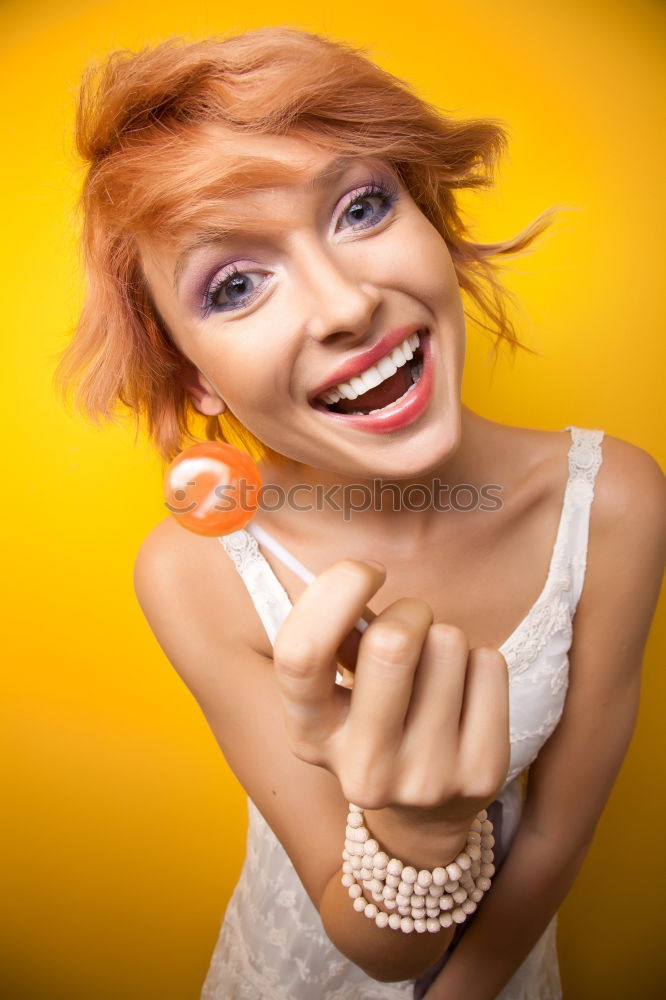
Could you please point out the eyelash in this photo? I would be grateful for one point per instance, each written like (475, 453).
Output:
(219, 281)
(387, 191)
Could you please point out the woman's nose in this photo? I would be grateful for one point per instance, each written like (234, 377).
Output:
(339, 302)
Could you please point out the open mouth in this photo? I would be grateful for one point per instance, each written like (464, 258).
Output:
(388, 381)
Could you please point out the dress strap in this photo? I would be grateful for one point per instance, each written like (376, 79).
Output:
(585, 458)
(268, 595)
(289, 560)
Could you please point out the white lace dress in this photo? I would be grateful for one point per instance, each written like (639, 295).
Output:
(272, 945)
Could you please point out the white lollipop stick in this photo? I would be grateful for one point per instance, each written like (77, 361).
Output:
(291, 562)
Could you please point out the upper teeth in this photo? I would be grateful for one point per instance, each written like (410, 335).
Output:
(375, 375)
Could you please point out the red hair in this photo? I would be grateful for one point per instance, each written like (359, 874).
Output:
(143, 121)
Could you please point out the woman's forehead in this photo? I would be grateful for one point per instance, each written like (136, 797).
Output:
(239, 171)
(294, 151)
(252, 160)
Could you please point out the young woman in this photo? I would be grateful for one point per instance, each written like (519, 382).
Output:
(273, 241)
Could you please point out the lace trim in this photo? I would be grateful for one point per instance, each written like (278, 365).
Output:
(554, 608)
(269, 596)
(584, 462)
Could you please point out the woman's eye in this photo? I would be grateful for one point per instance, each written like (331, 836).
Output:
(366, 209)
(233, 290)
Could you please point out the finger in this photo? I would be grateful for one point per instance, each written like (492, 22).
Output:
(484, 722)
(305, 647)
(388, 656)
(433, 719)
(348, 650)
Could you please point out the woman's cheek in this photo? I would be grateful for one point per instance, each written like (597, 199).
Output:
(428, 269)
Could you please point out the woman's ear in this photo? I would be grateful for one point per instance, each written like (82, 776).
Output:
(205, 397)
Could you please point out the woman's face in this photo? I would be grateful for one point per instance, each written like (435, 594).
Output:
(333, 281)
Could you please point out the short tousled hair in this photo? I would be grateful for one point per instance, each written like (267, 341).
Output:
(143, 119)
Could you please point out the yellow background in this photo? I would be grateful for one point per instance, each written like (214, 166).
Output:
(122, 826)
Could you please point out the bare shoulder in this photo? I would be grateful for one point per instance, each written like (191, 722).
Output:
(630, 487)
(630, 490)
(174, 567)
(625, 559)
(627, 530)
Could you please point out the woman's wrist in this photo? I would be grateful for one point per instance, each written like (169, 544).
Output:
(413, 836)
(422, 900)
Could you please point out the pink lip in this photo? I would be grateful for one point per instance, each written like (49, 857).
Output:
(400, 414)
(365, 359)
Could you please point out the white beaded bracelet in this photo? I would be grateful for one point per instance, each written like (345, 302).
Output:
(421, 900)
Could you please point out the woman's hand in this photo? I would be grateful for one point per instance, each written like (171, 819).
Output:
(424, 734)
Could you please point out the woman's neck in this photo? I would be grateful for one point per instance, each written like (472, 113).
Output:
(300, 500)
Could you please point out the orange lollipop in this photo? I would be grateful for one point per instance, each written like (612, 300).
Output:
(212, 488)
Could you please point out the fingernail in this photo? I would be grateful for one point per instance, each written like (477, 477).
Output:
(376, 565)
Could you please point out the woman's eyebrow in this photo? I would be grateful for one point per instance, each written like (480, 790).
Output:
(331, 171)
(204, 239)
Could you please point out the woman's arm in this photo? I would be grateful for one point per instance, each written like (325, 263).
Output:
(203, 618)
(572, 778)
